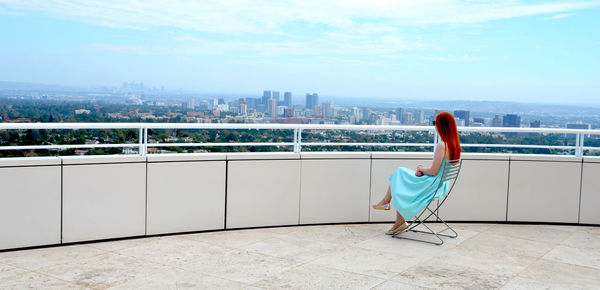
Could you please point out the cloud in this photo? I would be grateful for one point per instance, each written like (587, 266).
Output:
(266, 16)
(562, 15)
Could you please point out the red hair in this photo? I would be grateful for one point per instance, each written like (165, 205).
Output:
(446, 127)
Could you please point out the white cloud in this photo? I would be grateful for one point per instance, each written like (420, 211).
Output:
(562, 15)
(265, 16)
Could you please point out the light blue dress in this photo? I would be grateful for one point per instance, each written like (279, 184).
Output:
(411, 193)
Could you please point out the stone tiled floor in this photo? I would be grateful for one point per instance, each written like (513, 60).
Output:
(325, 257)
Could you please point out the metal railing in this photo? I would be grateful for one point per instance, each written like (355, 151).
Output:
(297, 143)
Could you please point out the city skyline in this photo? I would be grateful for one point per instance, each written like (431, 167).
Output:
(506, 50)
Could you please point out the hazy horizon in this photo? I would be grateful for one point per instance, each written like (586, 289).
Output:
(522, 51)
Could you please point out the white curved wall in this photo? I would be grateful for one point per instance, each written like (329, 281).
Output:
(122, 196)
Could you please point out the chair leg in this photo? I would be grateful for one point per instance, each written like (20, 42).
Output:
(418, 222)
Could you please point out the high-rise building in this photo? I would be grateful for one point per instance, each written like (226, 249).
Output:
(243, 108)
(312, 100)
(266, 96)
(511, 120)
(497, 121)
(578, 125)
(275, 95)
(534, 124)
(287, 99)
(402, 115)
(288, 113)
(272, 106)
(463, 115)
(327, 109)
(419, 117)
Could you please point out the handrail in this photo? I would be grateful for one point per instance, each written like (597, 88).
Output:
(297, 143)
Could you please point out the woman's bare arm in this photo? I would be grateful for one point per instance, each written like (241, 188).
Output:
(440, 151)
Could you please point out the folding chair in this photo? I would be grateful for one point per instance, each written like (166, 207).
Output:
(450, 173)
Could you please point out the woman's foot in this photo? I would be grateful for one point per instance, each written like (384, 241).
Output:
(396, 228)
(382, 206)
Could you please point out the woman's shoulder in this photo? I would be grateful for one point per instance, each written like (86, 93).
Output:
(441, 145)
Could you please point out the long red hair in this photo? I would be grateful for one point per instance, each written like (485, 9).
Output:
(446, 127)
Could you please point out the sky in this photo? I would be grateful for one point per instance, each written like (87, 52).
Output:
(507, 50)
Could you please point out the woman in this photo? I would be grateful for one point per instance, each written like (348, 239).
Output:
(410, 191)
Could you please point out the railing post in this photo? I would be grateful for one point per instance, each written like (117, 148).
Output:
(141, 142)
(299, 141)
(296, 140)
(436, 140)
(145, 141)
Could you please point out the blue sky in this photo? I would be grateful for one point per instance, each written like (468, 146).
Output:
(534, 51)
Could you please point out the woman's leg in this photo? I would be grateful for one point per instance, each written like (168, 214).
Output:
(387, 198)
(399, 221)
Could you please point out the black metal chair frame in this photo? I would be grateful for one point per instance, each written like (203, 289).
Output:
(450, 173)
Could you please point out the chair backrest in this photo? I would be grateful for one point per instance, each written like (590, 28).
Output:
(451, 170)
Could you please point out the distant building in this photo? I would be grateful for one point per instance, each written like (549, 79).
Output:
(402, 115)
(243, 108)
(497, 121)
(82, 111)
(265, 98)
(288, 113)
(479, 121)
(312, 100)
(463, 115)
(275, 95)
(578, 125)
(272, 106)
(419, 117)
(287, 99)
(534, 124)
(511, 120)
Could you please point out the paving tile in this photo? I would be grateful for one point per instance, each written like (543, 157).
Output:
(39, 258)
(318, 277)
(498, 244)
(33, 280)
(437, 274)
(583, 240)
(591, 230)
(240, 265)
(547, 234)
(294, 249)
(391, 284)
(338, 234)
(8, 271)
(173, 251)
(121, 244)
(385, 243)
(103, 271)
(368, 262)
(233, 238)
(575, 256)
(556, 275)
(180, 279)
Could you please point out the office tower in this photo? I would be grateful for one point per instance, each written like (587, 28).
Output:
(578, 125)
(275, 95)
(497, 121)
(312, 100)
(266, 96)
(214, 102)
(479, 120)
(366, 114)
(287, 99)
(463, 115)
(288, 113)
(402, 115)
(419, 117)
(327, 109)
(272, 107)
(243, 108)
(534, 124)
(437, 112)
(355, 114)
(221, 101)
(511, 120)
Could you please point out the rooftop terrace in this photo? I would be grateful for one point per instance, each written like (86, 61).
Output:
(354, 256)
